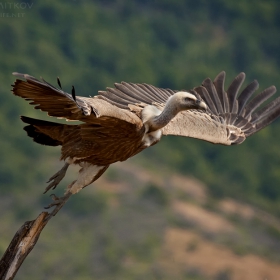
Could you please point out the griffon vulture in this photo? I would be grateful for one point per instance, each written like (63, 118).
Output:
(121, 122)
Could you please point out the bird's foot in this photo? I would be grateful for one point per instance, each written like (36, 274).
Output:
(58, 202)
(56, 178)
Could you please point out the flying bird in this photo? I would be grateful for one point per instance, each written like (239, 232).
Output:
(122, 121)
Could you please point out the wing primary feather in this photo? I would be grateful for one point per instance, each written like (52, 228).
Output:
(110, 100)
(265, 110)
(127, 92)
(58, 81)
(143, 90)
(43, 94)
(245, 95)
(268, 119)
(112, 94)
(232, 118)
(234, 88)
(219, 83)
(126, 98)
(73, 93)
(45, 83)
(240, 122)
(155, 92)
(153, 95)
(163, 92)
(207, 83)
(259, 99)
(234, 109)
(133, 92)
(202, 91)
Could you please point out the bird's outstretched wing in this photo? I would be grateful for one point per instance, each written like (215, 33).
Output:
(60, 104)
(229, 119)
(231, 116)
(51, 99)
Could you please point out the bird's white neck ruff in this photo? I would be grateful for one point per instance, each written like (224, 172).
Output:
(147, 114)
(151, 137)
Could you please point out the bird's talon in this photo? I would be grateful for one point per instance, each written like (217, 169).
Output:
(58, 202)
(56, 178)
(54, 197)
(50, 206)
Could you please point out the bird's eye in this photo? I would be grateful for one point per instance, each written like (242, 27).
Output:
(187, 99)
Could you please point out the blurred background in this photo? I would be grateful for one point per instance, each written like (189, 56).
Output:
(183, 209)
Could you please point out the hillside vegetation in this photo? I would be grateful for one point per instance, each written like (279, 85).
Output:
(174, 44)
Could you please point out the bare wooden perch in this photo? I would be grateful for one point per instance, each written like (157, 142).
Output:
(23, 242)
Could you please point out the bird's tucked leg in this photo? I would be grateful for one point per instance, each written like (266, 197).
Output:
(57, 177)
(87, 174)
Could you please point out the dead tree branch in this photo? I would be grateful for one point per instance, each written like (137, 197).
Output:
(23, 242)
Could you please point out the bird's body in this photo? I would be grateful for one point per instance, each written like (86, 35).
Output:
(120, 122)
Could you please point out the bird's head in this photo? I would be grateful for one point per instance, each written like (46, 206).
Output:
(186, 101)
(155, 119)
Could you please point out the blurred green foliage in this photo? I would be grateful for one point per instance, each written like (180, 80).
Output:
(154, 194)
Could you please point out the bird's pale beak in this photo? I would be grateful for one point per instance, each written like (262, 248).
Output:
(201, 105)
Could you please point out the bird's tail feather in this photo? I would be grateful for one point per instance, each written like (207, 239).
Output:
(44, 132)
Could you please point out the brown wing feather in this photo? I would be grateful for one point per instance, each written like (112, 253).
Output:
(52, 100)
(105, 142)
(126, 94)
(63, 105)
